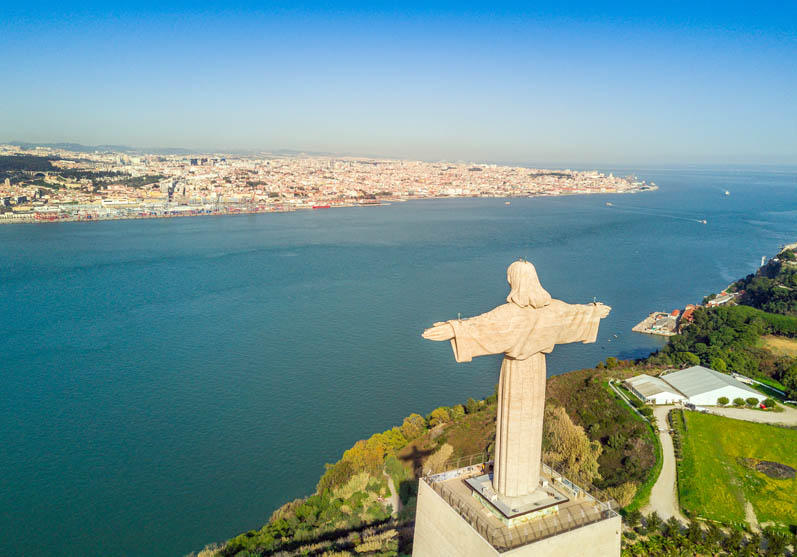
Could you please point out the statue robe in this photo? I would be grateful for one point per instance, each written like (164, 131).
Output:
(524, 335)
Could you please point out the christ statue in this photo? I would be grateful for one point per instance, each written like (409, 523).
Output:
(524, 329)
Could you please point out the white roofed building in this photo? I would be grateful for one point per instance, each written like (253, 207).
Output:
(653, 390)
(703, 386)
(696, 385)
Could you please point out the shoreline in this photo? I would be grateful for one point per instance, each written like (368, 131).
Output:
(201, 211)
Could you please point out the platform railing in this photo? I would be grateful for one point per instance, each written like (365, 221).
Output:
(503, 538)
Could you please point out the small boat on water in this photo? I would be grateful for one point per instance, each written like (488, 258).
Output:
(508, 203)
(704, 221)
(609, 204)
(727, 192)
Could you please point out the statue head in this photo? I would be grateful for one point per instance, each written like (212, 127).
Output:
(525, 287)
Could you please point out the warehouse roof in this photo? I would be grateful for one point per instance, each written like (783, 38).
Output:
(697, 380)
(650, 386)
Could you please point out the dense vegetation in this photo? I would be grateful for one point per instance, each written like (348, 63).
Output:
(653, 537)
(774, 287)
(727, 338)
(590, 435)
(27, 163)
(628, 444)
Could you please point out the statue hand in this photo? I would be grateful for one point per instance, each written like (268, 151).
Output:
(603, 310)
(440, 331)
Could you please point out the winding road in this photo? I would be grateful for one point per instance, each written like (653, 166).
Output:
(664, 495)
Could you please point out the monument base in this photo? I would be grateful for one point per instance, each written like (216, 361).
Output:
(543, 501)
(454, 519)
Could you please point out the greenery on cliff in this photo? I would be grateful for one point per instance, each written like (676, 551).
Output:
(590, 435)
(774, 287)
(729, 339)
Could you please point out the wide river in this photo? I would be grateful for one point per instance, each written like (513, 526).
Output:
(169, 383)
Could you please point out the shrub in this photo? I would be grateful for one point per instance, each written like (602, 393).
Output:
(439, 416)
(653, 521)
(457, 412)
(471, 406)
(646, 411)
(768, 402)
(738, 402)
(623, 493)
(752, 402)
(633, 518)
(413, 427)
(436, 462)
(722, 401)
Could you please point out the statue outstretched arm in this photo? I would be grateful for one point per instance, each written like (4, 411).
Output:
(584, 322)
(442, 330)
(490, 333)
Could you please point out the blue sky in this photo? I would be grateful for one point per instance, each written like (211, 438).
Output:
(570, 81)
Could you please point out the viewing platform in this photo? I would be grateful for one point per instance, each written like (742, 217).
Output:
(562, 508)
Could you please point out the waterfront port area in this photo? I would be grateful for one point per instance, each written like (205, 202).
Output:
(43, 184)
(669, 324)
(658, 323)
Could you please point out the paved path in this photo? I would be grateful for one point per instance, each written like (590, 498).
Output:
(787, 417)
(395, 501)
(625, 398)
(664, 495)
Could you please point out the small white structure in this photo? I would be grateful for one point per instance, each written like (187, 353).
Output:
(653, 390)
(703, 386)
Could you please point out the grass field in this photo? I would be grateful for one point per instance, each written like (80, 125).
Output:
(781, 346)
(713, 482)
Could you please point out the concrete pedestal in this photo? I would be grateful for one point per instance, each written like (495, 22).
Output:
(443, 531)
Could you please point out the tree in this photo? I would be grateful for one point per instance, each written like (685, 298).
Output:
(713, 534)
(471, 406)
(568, 449)
(722, 401)
(776, 541)
(442, 416)
(457, 412)
(672, 527)
(751, 401)
(653, 522)
(718, 364)
(754, 542)
(633, 518)
(738, 402)
(413, 427)
(733, 543)
(690, 358)
(695, 532)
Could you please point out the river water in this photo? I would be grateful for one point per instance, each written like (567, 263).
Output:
(168, 383)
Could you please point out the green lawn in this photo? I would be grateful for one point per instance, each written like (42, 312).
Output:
(713, 482)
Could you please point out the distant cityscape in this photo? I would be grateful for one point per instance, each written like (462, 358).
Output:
(40, 183)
